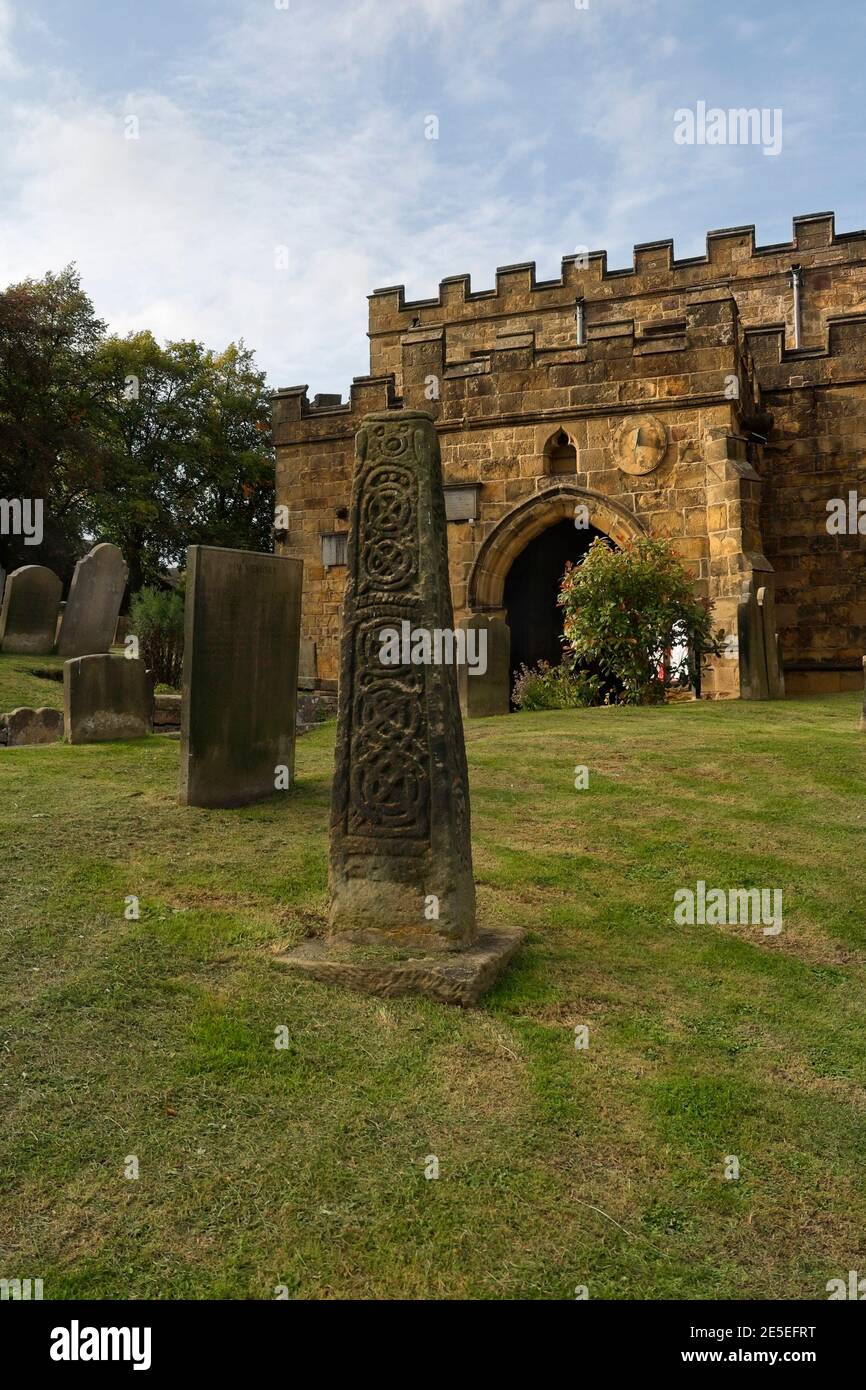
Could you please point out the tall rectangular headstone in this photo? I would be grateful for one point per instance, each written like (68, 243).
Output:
(90, 615)
(751, 649)
(772, 664)
(400, 855)
(486, 691)
(240, 675)
(307, 665)
(31, 603)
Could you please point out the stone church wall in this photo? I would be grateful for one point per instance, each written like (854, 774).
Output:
(690, 412)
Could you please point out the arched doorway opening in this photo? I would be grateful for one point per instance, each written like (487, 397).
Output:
(531, 589)
(560, 508)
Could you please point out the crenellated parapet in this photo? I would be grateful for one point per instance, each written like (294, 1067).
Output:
(623, 364)
(294, 416)
(840, 359)
(654, 287)
(727, 249)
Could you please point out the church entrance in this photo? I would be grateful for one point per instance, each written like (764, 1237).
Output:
(531, 588)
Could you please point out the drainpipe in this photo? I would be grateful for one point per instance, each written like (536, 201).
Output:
(580, 322)
(797, 284)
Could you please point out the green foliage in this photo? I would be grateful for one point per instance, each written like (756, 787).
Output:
(189, 458)
(156, 619)
(555, 687)
(625, 609)
(52, 411)
(155, 447)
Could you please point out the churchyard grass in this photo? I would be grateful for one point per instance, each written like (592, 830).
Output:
(304, 1167)
(18, 686)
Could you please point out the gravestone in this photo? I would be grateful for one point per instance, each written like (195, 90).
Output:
(240, 675)
(31, 603)
(307, 665)
(23, 726)
(90, 615)
(402, 895)
(772, 660)
(106, 697)
(750, 647)
(166, 713)
(488, 692)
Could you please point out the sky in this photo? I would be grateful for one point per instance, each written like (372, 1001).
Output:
(253, 169)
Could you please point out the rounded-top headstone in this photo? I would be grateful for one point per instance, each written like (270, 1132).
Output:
(90, 615)
(31, 602)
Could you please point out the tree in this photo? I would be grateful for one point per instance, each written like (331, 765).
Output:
(632, 615)
(155, 447)
(188, 454)
(227, 497)
(52, 410)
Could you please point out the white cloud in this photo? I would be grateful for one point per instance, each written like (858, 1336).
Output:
(9, 66)
(305, 128)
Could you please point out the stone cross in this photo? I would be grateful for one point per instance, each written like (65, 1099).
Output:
(400, 844)
(400, 856)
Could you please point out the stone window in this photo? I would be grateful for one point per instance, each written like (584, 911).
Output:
(561, 454)
(334, 548)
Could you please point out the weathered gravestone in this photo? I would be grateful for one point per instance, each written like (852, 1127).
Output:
(23, 726)
(772, 659)
(31, 603)
(90, 615)
(485, 688)
(761, 675)
(307, 665)
(402, 915)
(106, 697)
(240, 675)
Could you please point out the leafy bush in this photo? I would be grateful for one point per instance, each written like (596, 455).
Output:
(554, 687)
(156, 619)
(632, 616)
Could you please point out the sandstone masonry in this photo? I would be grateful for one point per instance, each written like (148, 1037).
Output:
(675, 398)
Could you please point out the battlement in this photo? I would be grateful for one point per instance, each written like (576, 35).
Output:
(731, 252)
(622, 361)
(366, 394)
(842, 355)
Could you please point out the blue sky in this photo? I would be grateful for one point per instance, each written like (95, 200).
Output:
(303, 127)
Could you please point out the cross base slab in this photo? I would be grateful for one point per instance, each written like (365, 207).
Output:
(458, 977)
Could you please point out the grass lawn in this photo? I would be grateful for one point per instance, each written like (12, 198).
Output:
(18, 686)
(558, 1167)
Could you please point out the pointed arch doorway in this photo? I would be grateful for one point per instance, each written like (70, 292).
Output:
(531, 589)
(515, 578)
